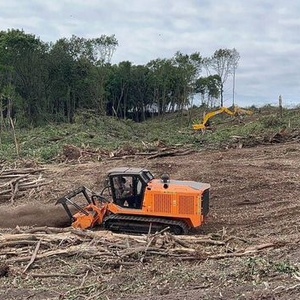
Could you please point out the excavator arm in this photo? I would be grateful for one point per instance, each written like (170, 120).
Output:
(241, 111)
(207, 117)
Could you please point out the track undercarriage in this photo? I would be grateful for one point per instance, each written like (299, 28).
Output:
(140, 224)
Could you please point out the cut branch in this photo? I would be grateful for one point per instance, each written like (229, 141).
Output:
(34, 254)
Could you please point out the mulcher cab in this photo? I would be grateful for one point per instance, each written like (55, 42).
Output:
(134, 201)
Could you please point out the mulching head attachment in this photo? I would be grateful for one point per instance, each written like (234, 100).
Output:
(86, 216)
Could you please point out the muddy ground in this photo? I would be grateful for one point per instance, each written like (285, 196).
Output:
(254, 198)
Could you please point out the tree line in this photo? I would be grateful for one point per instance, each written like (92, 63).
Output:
(49, 82)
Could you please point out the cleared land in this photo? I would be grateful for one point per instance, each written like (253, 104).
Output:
(253, 234)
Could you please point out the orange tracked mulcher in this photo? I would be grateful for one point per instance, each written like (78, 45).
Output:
(134, 201)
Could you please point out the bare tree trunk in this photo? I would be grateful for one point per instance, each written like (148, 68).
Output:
(280, 106)
(15, 136)
(222, 100)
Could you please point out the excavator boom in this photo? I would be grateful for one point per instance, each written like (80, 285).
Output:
(237, 111)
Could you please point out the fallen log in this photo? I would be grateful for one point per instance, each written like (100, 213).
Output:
(17, 172)
(70, 251)
(43, 275)
(171, 153)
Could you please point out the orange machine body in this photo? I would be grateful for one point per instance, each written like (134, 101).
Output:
(144, 200)
(176, 201)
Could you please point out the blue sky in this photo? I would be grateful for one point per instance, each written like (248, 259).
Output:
(265, 33)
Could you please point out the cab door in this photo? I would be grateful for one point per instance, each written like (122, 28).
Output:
(128, 190)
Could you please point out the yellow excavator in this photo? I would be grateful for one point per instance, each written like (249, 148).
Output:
(237, 111)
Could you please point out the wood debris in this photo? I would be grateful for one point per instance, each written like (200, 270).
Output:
(14, 182)
(116, 249)
(75, 154)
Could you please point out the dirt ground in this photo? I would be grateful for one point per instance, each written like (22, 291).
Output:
(254, 198)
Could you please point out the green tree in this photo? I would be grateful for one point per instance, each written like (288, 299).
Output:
(209, 89)
(62, 82)
(79, 71)
(140, 92)
(224, 62)
(189, 69)
(21, 57)
(119, 85)
(159, 71)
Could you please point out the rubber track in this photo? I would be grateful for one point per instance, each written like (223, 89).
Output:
(145, 220)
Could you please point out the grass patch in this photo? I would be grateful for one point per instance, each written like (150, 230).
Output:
(107, 133)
